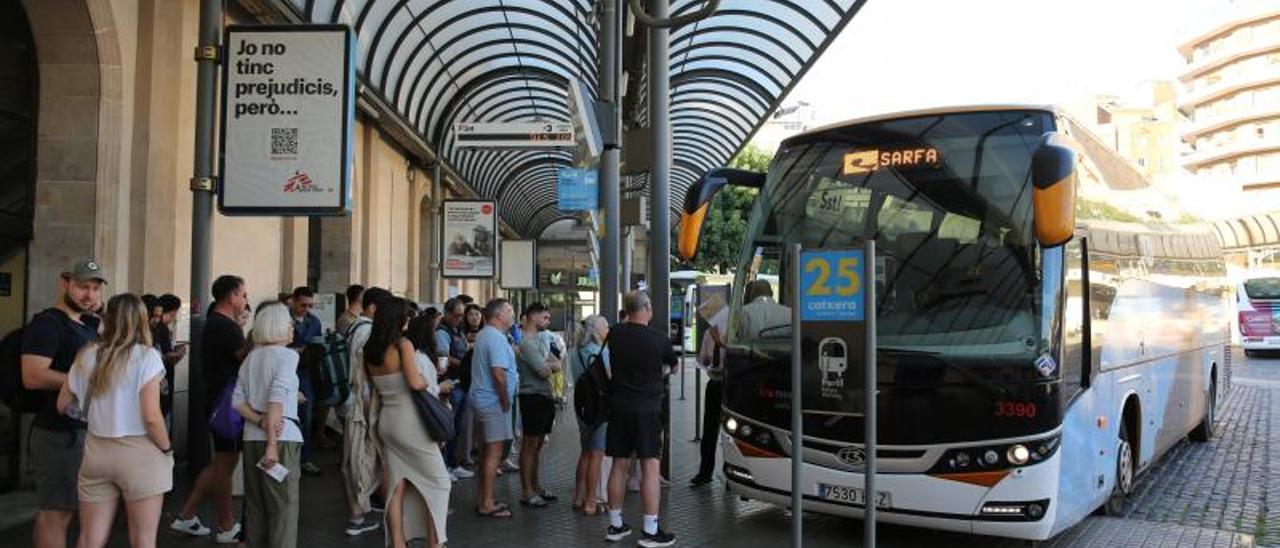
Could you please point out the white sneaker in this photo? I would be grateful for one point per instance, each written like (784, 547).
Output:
(453, 478)
(463, 473)
(228, 536)
(191, 527)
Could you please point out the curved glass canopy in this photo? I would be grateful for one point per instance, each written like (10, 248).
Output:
(442, 62)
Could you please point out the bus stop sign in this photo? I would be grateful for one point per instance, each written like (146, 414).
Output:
(833, 308)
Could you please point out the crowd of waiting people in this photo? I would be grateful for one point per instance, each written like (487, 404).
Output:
(104, 376)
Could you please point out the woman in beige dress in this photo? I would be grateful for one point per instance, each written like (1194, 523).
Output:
(418, 500)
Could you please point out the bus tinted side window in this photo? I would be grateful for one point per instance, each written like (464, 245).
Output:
(1074, 346)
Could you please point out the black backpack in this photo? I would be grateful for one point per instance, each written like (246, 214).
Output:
(336, 368)
(464, 372)
(12, 392)
(591, 391)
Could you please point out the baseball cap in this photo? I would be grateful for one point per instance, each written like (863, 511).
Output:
(85, 269)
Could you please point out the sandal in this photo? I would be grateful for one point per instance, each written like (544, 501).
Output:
(535, 501)
(499, 512)
(547, 496)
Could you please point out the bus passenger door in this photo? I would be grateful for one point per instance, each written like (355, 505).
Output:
(1087, 442)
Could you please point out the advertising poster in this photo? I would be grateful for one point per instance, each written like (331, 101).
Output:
(834, 336)
(288, 106)
(469, 239)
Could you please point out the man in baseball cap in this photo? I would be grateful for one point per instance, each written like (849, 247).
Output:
(50, 342)
(84, 270)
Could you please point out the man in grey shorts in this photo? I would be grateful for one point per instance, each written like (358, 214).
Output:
(50, 343)
(494, 379)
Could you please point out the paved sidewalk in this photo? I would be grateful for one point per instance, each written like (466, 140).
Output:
(1214, 494)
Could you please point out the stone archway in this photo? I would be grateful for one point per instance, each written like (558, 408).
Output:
(79, 142)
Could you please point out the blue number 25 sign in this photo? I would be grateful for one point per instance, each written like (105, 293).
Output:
(831, 285)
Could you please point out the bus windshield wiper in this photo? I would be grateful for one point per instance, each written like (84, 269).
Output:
(969, 376)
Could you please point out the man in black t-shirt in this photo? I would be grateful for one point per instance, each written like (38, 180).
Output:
(222, 348)
(637, 353)
(50, 343)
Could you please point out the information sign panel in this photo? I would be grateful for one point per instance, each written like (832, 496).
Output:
(832, 326)
(578, 189)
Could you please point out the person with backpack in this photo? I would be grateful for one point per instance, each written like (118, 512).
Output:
(50, 343)
(590, 352)
(354, 310)
(114, 386)
(223, 347)
(306, 329)
(452, 343)
(360, 471)
(637, 355)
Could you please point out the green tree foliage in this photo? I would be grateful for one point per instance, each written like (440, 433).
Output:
(726, 222)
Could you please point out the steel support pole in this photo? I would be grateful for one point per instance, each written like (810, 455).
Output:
(869, 521)
(208, 53)
(610, 64)
(628, 257)
(660, 192)
(797, 416)
(660, 174)
(433, 244)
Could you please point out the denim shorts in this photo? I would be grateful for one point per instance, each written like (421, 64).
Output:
(495, 424)
(592, 440)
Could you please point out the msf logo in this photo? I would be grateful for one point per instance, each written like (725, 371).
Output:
(300, 182)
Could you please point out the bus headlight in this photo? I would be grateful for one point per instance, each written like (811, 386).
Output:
(1031, 510)
(996, 457)
(746, 430)
(1018, 455)
(731, 425)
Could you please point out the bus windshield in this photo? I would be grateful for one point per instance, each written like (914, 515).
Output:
(947, 199)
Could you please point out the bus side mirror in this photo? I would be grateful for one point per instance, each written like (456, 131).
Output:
(697, 200)
(1053, 194)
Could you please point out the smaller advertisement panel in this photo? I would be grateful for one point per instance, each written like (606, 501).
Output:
(469, 239)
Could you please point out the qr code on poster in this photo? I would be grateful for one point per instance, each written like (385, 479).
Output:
(284, 141)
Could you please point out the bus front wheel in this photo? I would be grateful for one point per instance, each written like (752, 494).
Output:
(1124, 474)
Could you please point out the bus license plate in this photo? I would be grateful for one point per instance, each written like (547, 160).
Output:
(854, 495)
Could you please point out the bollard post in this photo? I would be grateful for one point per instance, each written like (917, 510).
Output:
(797, 416)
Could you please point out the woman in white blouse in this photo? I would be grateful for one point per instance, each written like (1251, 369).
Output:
(114, 386)
(266, 395)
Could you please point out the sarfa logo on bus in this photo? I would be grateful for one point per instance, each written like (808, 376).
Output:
(867, 161)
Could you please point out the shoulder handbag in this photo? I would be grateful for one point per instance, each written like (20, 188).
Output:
(437, 418)
(224, 421)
